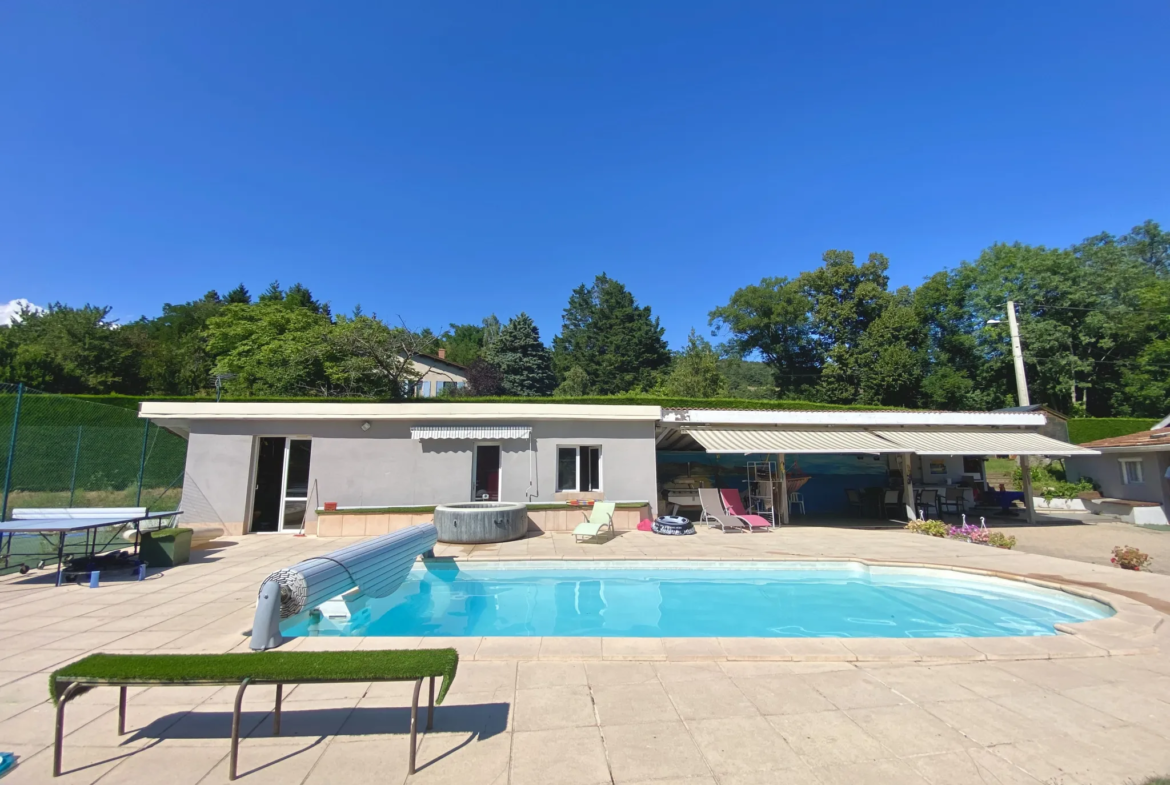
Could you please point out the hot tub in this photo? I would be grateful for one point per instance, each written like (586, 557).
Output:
(479, 522)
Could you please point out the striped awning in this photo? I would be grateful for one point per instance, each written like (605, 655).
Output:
(478, 432)
(1001, 442)
(940, 441)
(775, 440)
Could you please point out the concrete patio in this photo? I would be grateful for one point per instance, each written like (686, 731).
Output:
(1087, 707)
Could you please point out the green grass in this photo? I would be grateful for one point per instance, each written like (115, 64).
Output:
(1090, 429)
(431, 508)
(274, 667)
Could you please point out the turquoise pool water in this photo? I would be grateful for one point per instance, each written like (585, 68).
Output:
(685, 599)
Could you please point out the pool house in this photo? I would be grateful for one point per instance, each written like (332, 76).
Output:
(356, 469)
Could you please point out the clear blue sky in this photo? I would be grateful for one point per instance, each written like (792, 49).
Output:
(439, 161)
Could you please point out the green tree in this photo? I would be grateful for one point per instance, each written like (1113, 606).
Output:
(239, 295)
(525, 364)
(772, 318)
(272, 349)
(747, 378)
(364, 357)
(574, 385)
(69, 350)
(616, 342)
(695, 372)
(173, 347)
(463, 342)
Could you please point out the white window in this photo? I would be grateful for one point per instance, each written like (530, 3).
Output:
(1131, 471)
(424, 389)
(579, 468)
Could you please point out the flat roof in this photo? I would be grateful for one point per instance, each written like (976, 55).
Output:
(171, 411)
(887, 417)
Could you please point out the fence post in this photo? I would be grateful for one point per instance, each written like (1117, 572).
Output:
(142, 462)
(76, 456)
(11, 451)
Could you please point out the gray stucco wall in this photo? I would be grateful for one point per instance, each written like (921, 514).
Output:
(1106, 472)
(384, 467)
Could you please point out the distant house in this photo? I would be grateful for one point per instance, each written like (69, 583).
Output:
(1133, 472)
(437, 374)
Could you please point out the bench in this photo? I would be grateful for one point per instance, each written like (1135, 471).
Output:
(1128, 510)
(244, 670)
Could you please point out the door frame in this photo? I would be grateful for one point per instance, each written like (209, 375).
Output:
(499, 468)
(288, 438)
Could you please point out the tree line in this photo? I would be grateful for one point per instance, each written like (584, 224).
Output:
(1094, 319)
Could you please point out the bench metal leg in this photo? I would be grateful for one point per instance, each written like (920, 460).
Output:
(276, 714)
(431, 706)
(121, 711)
(59, 734)
(235, 754)
(414, 726)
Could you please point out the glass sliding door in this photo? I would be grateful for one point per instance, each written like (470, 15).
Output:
(281, 490)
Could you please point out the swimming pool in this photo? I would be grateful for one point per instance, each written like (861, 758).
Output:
(702, 599)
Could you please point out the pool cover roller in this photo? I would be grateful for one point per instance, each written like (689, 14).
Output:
(375, 568)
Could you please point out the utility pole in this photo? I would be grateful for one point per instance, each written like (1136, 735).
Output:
(1024, 400)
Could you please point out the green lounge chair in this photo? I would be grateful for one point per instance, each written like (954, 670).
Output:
(600, 517)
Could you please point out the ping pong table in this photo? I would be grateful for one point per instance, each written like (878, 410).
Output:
(63, 527)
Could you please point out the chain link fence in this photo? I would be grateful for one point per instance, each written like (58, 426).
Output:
(57, 451)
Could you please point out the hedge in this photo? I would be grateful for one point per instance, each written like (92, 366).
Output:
(1090, 429)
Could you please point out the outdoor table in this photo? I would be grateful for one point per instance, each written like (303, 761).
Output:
(63, 527)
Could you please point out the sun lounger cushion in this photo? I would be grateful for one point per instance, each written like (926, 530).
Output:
(734, 506)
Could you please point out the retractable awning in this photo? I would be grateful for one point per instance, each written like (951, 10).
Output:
(776, 440)
(941, 441)
(959, 442)
(478, 432)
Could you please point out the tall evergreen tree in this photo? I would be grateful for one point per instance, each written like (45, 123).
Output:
(616, 342)
(524, 362)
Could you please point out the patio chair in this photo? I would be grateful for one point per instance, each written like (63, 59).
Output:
(953, 499)
(853, 502)
(713, 514)
(795, 500)
(600, 517)
(893, 499)
(927, 501)
(734, 505)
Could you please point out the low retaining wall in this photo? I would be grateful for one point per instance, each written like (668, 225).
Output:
(360, 524)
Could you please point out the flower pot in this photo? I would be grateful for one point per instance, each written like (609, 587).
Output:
(166, 547)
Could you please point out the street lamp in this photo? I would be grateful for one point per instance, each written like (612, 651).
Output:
(1022, 397)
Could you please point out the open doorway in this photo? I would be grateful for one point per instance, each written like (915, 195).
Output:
(487, 473)
(281, 490)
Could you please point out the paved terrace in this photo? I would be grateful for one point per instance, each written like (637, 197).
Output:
(1089, 707)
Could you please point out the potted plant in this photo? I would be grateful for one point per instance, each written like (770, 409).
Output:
(1130, 558)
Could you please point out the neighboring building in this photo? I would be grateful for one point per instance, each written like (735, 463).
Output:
(275, 466)
(437, 374)
(1132, 472)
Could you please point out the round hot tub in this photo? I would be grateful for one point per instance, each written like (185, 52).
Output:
(480, 522)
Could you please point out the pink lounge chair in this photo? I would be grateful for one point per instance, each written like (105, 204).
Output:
(734, 506)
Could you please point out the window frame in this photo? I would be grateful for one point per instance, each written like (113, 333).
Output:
(1141, 472)
(577, 453)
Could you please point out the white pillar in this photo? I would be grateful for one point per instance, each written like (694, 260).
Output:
(783, 489)
(1026, 476)
(908, 485)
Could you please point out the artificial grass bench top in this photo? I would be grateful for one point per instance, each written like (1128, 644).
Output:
(273, 667)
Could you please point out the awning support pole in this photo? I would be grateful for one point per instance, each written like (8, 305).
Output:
(783, 488)
(1026, 478)
(908, 485)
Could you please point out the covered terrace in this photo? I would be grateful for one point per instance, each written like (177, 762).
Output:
(876, 464)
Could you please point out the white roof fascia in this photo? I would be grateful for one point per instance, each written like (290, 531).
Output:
(1142, 448)
(465, 412)
(857, 418)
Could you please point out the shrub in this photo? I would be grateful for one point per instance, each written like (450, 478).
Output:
(930, 528)
(1001, 540)
(969, 532)
(1051, 483)
(1129, 558)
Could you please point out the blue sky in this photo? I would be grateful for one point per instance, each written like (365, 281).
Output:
(439, 161)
